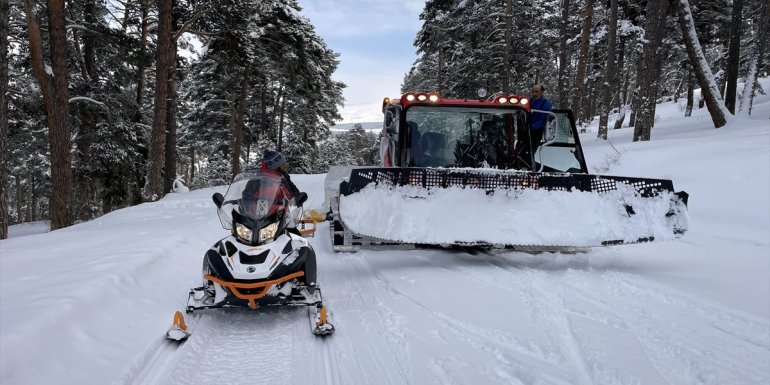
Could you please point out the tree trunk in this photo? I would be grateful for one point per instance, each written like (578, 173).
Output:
(170, 162)
(238, 129)
(89, 51)
(144, 6)
(280, 125)
(76, 44)
(273, 131)
(18, 198)
(609, 74)
(265, 125)
(733, 59)
(690, 92)
(577, 98)
(192, 167)
(164, 56)
(709, 90)
(56, 100)
(751, 86)
(508, 43)
(648, 78)
(563, 54)
(3, 119)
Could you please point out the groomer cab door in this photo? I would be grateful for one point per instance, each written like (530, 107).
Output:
(560, 150)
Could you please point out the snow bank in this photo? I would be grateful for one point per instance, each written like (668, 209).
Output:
(525, 217)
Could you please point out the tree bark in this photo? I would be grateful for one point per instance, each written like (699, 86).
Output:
(648, 73)
(191, 181)
(265, 126)
(733, 59)
(751, 85)
(164, 57)
(54, 88)
(4, 17)
(690, 92)
(609, 77)
(144, 6)
(562, 91)
(170, 160)
(280, 125)
(709, 90)
(582, 62)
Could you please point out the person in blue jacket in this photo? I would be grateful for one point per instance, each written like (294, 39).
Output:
(538, 102)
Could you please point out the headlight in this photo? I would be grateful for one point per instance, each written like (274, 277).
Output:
(268, 232)
(243, 232)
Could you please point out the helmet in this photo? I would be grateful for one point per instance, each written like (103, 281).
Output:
(273, 159)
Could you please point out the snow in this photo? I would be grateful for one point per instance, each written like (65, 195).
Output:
(525, 217)
(90, 304)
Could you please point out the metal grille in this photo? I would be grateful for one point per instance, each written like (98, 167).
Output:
(497, 179)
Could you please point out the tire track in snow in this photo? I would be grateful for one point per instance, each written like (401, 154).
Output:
(378, 316)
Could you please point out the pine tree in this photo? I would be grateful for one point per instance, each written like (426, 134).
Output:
(54, 86)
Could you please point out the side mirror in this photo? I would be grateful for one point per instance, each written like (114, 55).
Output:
(301, 198)
(218, 199)
(549, 133)
(390, 123)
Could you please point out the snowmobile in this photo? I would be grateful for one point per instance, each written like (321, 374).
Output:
(522, 191)
(265, 261)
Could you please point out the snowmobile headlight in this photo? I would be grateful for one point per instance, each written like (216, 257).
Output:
(243, 232)
(268, 232)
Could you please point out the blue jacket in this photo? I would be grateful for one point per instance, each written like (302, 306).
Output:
(539, 119)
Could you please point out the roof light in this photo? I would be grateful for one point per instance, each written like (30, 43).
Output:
(422, 97)
(524, 101)
(410, 98)
(433, 98)
(514, 100)
(502, 100)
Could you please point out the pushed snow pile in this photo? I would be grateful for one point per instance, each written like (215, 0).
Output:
(523, 217)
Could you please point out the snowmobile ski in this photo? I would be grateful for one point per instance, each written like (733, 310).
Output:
(320, 320)
(178, 330)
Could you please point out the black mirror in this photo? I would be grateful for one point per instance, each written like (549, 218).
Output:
(390, 123)
(218, 199)
(301, 198)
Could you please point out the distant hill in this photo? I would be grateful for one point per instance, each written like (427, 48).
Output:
(369, 126)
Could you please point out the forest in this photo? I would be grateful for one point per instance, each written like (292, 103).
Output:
(104, 104)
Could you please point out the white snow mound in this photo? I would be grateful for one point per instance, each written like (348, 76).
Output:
(525, 217)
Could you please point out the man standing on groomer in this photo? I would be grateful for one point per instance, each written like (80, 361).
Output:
(538, 102)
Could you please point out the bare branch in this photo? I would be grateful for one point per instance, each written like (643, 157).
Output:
(192, 20)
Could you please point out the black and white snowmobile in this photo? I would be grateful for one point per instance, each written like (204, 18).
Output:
(265, 261)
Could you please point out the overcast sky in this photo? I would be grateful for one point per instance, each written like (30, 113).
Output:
(374, 40)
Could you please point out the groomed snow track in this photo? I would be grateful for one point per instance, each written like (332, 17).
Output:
(423, 317)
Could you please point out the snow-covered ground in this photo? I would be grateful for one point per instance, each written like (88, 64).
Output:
(89, 304)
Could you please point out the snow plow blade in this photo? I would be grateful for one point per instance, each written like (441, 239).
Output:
(528, 211)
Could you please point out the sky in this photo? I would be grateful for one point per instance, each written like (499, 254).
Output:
(91, 303)
(374, 40)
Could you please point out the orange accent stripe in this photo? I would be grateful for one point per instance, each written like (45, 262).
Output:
(304, 231)
(322, 320)
(266, 285)
(178, 322)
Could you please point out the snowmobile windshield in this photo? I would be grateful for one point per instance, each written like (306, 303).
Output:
(258, 197)
(464, 136)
